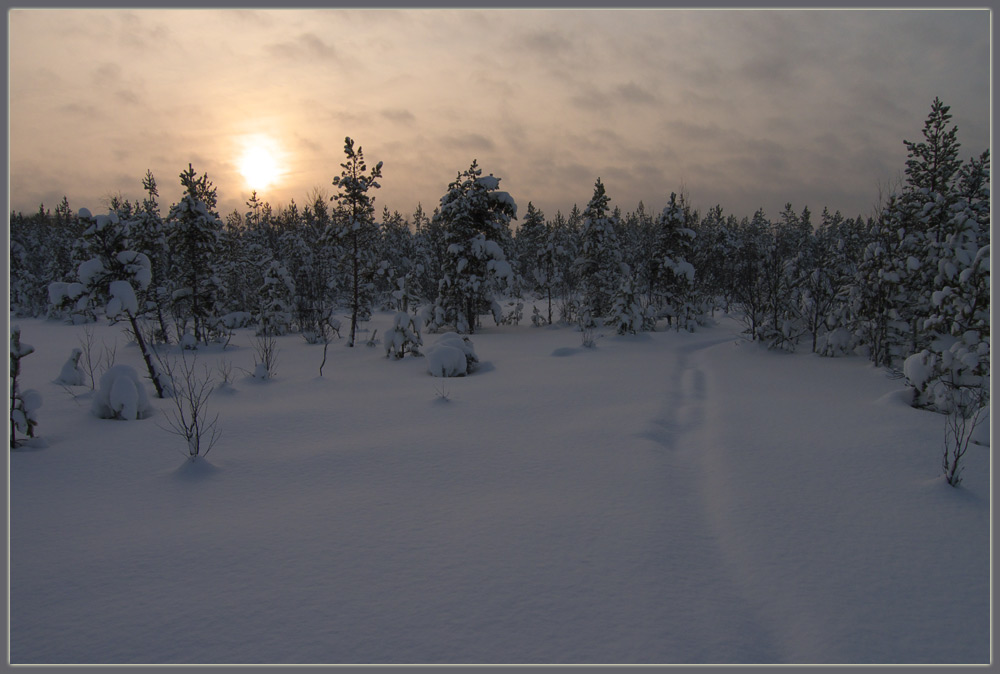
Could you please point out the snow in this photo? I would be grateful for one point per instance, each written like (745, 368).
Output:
(123, 296)
(670, 497)
(72, 374)
(451, 356)
(121, 395)
(446, 361)
(89, 269)
(489, 182)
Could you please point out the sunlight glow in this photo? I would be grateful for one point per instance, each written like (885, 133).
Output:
(259, 164)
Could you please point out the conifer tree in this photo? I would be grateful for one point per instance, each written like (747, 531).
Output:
(475, 216)
(193, 236)
(116, 277)
(599, 263)
(357, 229)
(147, 235)
(530, 237)
(673, 274)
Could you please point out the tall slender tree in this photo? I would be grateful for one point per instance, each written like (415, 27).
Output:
(356, 227)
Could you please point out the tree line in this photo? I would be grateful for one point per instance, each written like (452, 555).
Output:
(907, 286)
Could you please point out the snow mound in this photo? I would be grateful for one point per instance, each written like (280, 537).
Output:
(899, 398)
(451, 356)
(121, 395)
(72, 374)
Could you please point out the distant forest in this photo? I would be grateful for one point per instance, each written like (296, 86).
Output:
(907, 287)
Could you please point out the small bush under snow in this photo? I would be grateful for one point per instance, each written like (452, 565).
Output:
(121, 395)
(452, 355)
(72, 374)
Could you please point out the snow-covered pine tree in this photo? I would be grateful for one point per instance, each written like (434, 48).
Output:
(357, 229)
(599, 263)
(311, 256)
(147, 234)
(626, 311)
(116, 277)
(24, 405)
(27, 296)
(784, 266)
(276, 293)
(825, 283)
(749, 282)
(639, 231)
(396, 253)
(405, 333)
(672, 273)
(475, 215)
(952, 371)
(878, 291)
(565, 241)
(974, 187)
(530, 237)
(925, 205)
(714, 249)
(537, 251)
(548, 271)
(193, 236)
(429, 251)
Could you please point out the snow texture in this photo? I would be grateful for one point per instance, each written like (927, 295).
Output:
(680, 498)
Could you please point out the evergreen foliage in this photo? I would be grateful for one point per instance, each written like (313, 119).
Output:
(356, 229)
(600, 258)
(475, 216)
(193, 232)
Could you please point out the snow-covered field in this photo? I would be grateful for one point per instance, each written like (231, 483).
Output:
(661, 498)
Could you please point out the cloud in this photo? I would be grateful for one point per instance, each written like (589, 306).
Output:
(398, 115)
(546, 42)
(592, 98)
(127, 96)
(306, 46)
(469, 142)
(633, 93)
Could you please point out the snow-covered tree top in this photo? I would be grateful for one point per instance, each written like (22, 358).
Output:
(490, 182)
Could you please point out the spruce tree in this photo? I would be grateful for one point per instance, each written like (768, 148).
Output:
(599, 263)
(672, 273)
(475, 216)
(193, 236)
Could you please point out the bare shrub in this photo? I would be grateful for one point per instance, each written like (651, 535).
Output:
(190, 418)
(970, 405)
(265, 347)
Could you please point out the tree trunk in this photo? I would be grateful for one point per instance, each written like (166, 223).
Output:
(354, 288)
(145, 355)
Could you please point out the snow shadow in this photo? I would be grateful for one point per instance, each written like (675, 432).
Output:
(199, 470)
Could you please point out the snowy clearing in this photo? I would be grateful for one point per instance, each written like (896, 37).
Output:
(660, 498)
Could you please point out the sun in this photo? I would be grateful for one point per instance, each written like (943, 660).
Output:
(259, 163)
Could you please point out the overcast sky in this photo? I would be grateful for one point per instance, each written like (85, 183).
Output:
(747, 109)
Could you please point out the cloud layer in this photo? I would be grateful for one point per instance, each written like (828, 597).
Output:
(747, 109)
